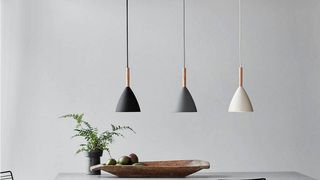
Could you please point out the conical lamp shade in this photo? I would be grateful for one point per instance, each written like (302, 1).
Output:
(186, 103)
(240, 101)
(128, 102)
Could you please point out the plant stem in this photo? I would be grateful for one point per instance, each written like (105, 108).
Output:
(109, 153)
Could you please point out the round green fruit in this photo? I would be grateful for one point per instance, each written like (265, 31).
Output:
(111, 162)
(134, 158)
(124, 160)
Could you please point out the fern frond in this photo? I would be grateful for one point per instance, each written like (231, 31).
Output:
(94, 139)
(116, 128)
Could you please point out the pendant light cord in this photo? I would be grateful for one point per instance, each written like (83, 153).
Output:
(127, 31)
(240, 34)
(184, 33)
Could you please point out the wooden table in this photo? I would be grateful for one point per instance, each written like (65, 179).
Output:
(198, 176)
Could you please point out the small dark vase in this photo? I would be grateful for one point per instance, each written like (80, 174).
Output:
(94, 159)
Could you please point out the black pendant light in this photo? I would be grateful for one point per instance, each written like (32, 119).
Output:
(128, 101)
(185, 102)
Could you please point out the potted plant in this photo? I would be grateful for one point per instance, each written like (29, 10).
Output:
(96, 142)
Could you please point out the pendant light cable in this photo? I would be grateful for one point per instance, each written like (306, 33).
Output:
(184, 33)
(240, 35)
(127, 31)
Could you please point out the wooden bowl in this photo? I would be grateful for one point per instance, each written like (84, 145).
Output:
(159, 169)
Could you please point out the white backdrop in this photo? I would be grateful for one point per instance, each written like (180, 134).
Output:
(62, 56)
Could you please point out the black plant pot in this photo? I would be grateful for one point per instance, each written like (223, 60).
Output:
(94, 159)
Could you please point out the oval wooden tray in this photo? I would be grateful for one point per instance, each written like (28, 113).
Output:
(176, 168)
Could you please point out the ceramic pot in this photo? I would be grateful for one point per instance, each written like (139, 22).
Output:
(94, 159)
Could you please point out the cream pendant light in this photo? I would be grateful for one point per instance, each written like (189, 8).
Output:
(185, 103)
(240, 101)
(128, 101)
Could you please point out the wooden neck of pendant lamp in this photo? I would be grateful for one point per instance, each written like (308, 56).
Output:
(184, 77)
(128, 77)
(240, 76)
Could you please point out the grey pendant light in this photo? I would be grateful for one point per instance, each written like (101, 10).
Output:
(128, 101)
(185, 102)
(240, 101)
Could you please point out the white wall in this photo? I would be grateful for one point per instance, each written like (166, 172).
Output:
(62, 56)
(309, 56)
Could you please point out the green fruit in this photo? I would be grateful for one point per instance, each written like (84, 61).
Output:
(111, 162)
(138, 164)
(134, 158)
(124, 160)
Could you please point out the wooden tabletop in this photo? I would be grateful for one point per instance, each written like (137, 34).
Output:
(198, 176)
